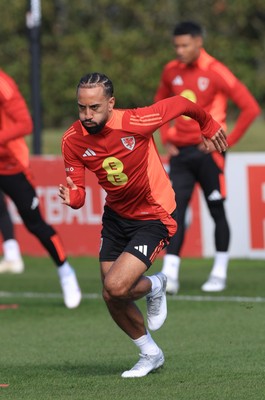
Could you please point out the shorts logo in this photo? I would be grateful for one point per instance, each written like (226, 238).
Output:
(215, 195)
(142, 249)
(128, 142)
(203, 83)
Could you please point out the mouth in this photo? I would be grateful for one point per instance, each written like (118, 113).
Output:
(89, 123)
(180, 58)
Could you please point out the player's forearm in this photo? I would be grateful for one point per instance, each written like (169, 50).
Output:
(77, 198)
(15, 131)
(173, 107)
(76, 184)
(244, 120)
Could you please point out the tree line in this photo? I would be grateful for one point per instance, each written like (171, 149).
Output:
(128, 41)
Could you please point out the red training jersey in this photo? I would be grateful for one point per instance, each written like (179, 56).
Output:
(125, 159)
(210, 84)
(15, 123)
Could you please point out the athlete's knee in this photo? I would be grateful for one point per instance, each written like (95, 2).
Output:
(114, 290)
(112, 294)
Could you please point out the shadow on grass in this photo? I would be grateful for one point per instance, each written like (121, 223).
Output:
(63, 371)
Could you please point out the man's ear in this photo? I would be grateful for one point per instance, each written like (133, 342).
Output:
(111, 103)
(199, 41)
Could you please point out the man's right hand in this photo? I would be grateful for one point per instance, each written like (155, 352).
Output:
(64, 191)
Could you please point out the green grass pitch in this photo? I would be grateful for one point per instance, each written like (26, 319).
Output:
(213, 345)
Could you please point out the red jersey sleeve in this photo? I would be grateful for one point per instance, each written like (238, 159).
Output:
(148, 119)
(76, 168)
(241, 97)
(15, 119)
(249, 110)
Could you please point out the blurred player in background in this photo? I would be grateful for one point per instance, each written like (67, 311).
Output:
(16, 181)
(138, 220)
(12, 260)
(196, 75)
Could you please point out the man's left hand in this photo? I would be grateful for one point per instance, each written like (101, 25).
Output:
(218, 139)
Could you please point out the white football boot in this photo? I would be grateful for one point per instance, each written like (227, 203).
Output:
(172, 286)
(157, 305)
(71, 290)
(13, 267)
(146, 364)
(214, 284)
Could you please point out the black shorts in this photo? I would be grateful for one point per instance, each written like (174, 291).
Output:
(19, 188)
(143, 239)
(23, 194)
(192, 166)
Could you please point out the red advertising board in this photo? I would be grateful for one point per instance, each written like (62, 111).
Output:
(80, 229)
(256, 178)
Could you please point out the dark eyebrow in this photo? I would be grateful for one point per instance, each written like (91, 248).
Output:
(92, 105)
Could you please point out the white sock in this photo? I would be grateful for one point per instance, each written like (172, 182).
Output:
(11, 250)
(171, 265)
(220, 264)
(146, 344)
(156, 283)
(65, 269)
